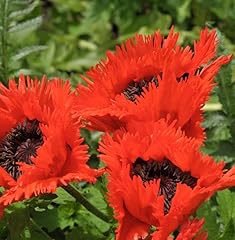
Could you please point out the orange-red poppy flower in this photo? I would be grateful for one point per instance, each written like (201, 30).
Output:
(158, 177)
(40, 143)
(149, 78)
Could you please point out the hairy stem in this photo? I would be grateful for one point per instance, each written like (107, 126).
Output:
(83, 201)
(4, 52)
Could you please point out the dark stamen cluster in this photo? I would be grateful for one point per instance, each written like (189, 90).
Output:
(19, 145)
(169, 176)
(137, 88)
(198, 71)
(185, 76)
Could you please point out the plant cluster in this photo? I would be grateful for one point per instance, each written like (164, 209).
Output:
(131, 149)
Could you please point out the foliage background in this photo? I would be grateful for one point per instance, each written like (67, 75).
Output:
(64, 38)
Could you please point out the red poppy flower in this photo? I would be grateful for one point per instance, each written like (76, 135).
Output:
(40, 143)
(149, 78)
(158, 177)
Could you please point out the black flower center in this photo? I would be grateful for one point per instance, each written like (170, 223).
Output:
(19, 145)
(169, 176)
(137, 88)
(185, 75)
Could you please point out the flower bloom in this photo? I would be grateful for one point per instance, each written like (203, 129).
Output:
(40, 143)
(151, 71)
(157, 177)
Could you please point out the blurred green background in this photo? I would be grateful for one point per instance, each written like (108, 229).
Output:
(76, 33)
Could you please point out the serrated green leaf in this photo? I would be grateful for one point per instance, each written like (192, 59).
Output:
(23, 12)
(225, 149)
(26, 51)
(219, 133)
(62, 216)
(232, 129)
(211, 225)
(68, 215)
(63, 197)
(215, 119)
(99, 225)
(229, 232)
(226, 205)
(49, 54)
(226, 90)
(96, 198)
(20, 2)
(31, 24)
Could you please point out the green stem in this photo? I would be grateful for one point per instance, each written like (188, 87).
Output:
(40, 230)
(83, 201)
(4, 52)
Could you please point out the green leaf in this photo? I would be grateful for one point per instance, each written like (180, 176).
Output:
(225, 151)
(4, 231)
(80, 233)
(23, 12)
(232, 130)
(183, 11)
(68, 215)
(226, 205)
(215, 119)
(229, 232)
(73, 64)
(211, 225)
(47, 219)
(63, 197)
(31, 25)
(96, 198)
(32, 231)
(226, 91)
(224, 9)
(91, 225)
(49, 55)
(26, 51)
(17, 220)
(20, 2)
(63, 216)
